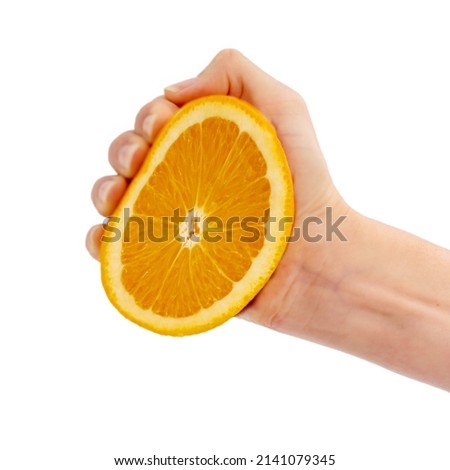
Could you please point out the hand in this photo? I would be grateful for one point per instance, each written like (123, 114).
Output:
(231, 73)
(363, 290)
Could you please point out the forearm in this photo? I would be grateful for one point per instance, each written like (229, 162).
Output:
(388, 302)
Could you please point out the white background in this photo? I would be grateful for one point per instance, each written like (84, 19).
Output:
(80, 384)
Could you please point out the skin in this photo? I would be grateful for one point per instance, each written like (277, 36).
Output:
(384, 295)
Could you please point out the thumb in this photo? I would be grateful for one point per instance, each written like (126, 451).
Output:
(231, 73)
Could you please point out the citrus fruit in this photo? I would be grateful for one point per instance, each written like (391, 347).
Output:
(203, 224)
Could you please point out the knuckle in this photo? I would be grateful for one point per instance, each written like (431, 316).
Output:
(298, 100)
(94, 191)
(229, 55)
(142, 114)
(296, 104)
(115, 145)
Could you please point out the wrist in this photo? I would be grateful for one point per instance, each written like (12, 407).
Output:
(385, 298)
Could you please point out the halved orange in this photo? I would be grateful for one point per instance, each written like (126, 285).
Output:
(204, 223)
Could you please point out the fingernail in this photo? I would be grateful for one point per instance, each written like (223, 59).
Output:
(177, 87)
(126, 155)
(148, 125)
(104, 190)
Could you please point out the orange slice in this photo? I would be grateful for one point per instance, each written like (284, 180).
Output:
(203, 224)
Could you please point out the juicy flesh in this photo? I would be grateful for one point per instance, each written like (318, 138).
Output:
(191, 243)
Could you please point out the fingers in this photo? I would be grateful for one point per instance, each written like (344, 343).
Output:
(153, 116)
(127, 152)
(107, 192)
(93, 238)
(126, 155)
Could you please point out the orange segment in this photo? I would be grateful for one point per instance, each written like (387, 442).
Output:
(193, 251)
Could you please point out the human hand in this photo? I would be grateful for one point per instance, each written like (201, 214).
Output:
(231, 73)
(347, 281)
